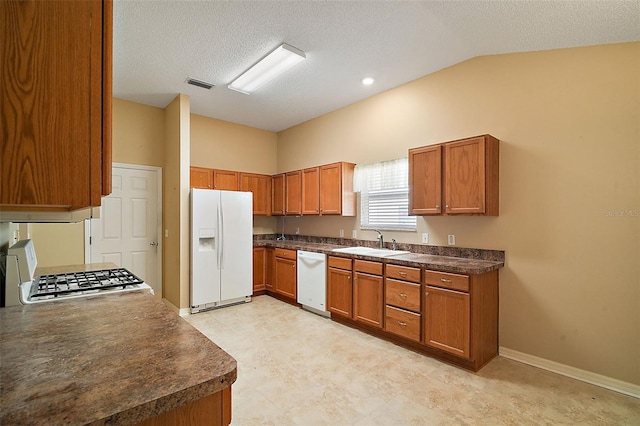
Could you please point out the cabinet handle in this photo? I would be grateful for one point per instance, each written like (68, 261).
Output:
(293, 266)
(402, 273)
(348, 277)
(437, 206)
(426, 293)
(403, 324)
(444, 280)
(446, 206)
(403, 295)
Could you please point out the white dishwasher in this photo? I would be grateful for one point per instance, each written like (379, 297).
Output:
(312, 281)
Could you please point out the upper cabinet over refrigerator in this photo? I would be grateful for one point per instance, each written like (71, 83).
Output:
(221, 248)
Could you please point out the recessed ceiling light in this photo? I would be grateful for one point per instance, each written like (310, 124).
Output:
(367, 81)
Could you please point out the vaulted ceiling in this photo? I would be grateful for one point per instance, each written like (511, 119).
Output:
(158, 44)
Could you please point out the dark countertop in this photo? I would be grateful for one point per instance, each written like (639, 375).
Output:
(461, 265)
(114, 359)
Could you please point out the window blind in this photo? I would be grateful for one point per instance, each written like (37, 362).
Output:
(384, 195)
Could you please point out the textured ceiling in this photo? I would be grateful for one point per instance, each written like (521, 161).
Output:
(158, 44)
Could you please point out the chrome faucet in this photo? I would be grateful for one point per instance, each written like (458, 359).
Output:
(380, 239)
(394, 245)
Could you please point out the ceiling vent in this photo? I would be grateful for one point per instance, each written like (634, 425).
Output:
(199, 83)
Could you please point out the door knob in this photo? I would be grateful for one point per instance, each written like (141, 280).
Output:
(153, 244)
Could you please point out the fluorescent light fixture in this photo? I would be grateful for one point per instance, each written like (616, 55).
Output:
(367, 81)
(271, 66)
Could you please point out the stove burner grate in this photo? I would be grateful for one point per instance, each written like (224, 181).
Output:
(58, 284)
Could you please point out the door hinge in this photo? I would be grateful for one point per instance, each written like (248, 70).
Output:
(90, 240)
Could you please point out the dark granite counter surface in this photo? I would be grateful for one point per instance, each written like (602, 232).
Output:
(109, 359)
(445, 259)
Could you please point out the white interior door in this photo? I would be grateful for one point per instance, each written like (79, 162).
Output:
(127, 232)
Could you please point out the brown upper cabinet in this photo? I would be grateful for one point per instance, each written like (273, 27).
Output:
(200, 177)
(336, 189)
(293, 192)
(56, 118)
(225, 180)
(311, 191)
(277, 195)
(260, 187)
(459, 177)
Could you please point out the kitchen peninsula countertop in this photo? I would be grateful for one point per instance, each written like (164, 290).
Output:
(108, 359)
(466, 263)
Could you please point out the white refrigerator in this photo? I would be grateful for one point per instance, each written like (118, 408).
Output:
(221, 248)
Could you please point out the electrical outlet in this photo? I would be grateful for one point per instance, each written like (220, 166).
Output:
(297, 231)
(451, 239)
(425, 238)
(166, 233)
(354, 234)
(342, 233)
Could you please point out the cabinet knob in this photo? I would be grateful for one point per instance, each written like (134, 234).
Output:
(293, 266)
(403, 295)
(348, 277)
(446, 206)
(426, 293)
(437, 206)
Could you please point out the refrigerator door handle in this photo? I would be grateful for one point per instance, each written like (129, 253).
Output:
(219, 237)
(221, 216)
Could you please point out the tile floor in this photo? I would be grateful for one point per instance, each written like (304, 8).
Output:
(297, 368)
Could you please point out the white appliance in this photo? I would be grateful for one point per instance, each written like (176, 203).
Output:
(21, 287)
(221, 248)
(312, 281)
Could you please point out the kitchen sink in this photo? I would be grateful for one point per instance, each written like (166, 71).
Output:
(369, 251)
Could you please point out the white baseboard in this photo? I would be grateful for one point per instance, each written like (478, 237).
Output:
(575, 373)
(184, 312)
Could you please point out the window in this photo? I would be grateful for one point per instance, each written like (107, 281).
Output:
(384, 195)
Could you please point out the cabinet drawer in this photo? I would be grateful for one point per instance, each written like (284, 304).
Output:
(374, 268)
(403, 323)
(447, 280)
(286, 253)
(402, 294)
(405, 273)
(339, 262)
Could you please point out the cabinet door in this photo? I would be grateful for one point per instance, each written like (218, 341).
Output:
(259, 270)
(311, 191)
(286, 277)
(465, 177)
(200, 177)
(293, 193)
(260, 187)
(277, 195)
(368, 303)
(270, 268)
(340, 292)
(55, 80)
(225, 180)
(331, 189)
(425, 180)
(447, 320)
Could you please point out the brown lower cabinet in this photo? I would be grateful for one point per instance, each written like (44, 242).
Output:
(259, 269)
(340, 286)
(285, 273)
(453, 317)
(214, 410)
(368, 293)
(270, 267)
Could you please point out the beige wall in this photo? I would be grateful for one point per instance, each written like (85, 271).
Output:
(222, 145)
(176, 202)
(138, 133)
(568, 121)
(58, 243)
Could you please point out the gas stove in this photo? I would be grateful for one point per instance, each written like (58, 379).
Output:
(80, 284)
